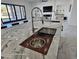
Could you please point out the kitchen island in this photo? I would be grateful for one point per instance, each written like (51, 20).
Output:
(12, 37)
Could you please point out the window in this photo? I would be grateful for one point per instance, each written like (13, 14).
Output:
(17, 8)
(12, 13)
(22, 12)
(4, 13)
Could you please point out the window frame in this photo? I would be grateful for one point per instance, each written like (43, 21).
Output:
(6, 4)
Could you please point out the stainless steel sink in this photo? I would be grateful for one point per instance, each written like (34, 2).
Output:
(37, 43)
(50, 31)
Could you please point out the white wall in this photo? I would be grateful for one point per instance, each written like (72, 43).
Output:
(54, 3)
(65, 6)
(72, 19)
(73, 15)
(41, 4)
(20, 2)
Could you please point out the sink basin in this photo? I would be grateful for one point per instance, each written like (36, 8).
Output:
(37, 43)
(49, 31)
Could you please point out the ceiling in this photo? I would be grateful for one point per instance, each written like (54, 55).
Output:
(34, 0)
(50, 0)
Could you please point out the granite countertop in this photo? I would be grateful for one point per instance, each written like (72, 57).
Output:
(40, 41)
(19, 33)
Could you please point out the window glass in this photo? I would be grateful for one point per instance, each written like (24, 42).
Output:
(18, 12)
(4, 13)
(11, 12)
(22, 12)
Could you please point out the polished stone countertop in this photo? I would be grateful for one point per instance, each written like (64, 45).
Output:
(12, 37)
